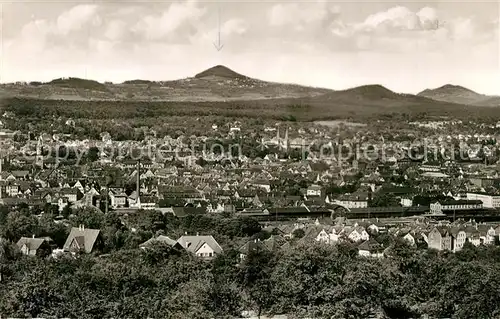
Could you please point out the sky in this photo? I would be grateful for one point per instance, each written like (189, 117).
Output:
(405, 46)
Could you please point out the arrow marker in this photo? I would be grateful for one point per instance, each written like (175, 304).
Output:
(218, 44)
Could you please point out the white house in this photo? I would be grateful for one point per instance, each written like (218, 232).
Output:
(202, 246)
(313, 190)
(357, 234)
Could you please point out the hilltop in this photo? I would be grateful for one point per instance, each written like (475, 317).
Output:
(372, 92)
(77, 83)
(459, 94)
(220, 71)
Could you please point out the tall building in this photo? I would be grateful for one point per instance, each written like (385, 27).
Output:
(39, 152)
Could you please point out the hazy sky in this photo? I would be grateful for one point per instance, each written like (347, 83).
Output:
(405, 46)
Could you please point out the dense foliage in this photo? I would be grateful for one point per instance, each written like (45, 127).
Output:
(302, 109)
(304, 279)
(308, 280)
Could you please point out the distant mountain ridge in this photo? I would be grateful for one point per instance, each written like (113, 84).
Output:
(220, 84)
(461, 95)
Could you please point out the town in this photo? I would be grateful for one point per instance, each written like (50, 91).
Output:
(324, 181)
(238, 190)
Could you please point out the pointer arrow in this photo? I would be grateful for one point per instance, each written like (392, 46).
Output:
(218, 45)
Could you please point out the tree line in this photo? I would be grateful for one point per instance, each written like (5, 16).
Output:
(301, 279)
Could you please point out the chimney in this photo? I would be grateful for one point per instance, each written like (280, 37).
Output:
(80, 227)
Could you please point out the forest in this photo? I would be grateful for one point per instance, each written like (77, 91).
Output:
(299, 109)
(306, 279)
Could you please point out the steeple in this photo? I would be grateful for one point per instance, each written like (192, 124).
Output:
(39, 154)
(138, 188)
(284, 143)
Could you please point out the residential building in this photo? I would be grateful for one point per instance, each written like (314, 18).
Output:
(82, 239)
(202, 246)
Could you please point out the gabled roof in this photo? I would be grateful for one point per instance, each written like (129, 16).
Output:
(194, 243)
(20, 173)
(370, 245)
(186, 211)
(89, 237)
(163, 239)
(31, 243)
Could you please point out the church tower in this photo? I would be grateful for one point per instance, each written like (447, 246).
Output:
(286, 142)
(138, 185)
(39, 153)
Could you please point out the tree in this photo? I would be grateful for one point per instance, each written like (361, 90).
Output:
(298, 233)
(19, 224)
(93, 154)
(66, 212)
(89, 217)
(384, 200)
(255, 279)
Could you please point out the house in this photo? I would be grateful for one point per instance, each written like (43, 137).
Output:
(370, 248)
(356, 234)
(473, 235)
(355, 200)
(314, 190)
(406, 201)
(82, 239)
(487, 234)
(34, 246)
(264, 184)
(439, 238)
(459, 237)
(202, 246)
(323, 236)
(80, 185)
(12, 189)
(161, 239)
(20, 175)
(118, 199)
(70, 193)
(148, 202)
(250, 246)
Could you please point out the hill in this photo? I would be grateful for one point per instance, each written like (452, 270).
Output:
(373, 91)
(77, 83)
(218, 83)
(138, 82)
(459, 94)
(220, 71)
(219, 90)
